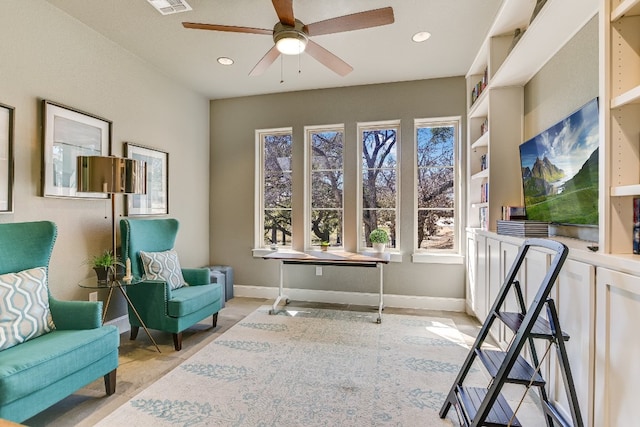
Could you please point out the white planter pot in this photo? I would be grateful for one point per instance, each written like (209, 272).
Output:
(379, 247)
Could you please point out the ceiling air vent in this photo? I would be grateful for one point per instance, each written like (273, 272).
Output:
(167, 7)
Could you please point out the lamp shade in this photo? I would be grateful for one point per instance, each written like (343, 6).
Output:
(100, 174)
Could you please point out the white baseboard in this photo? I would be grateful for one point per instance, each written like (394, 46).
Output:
(121, 322)
(357, 298)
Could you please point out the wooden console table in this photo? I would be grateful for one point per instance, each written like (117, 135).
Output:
(328, 258)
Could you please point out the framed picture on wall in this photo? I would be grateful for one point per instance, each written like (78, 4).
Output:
(67, 134)
(156, 201)
(6, 158)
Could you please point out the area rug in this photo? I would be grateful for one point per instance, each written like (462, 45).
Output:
(309, 367)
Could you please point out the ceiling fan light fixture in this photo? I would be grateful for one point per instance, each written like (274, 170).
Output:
(290, 42)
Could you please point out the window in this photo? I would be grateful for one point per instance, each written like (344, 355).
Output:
(324, 151)
(273, 187)
(436, 142)
(379, 180)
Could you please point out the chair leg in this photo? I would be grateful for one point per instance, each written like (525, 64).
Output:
(177, 341)
(215, 320)
(110, 382)
(134, 332)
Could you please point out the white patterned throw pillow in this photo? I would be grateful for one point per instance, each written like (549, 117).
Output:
(24, 307)
(163, 266)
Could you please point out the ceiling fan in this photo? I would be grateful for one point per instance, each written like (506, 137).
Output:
(292, 37)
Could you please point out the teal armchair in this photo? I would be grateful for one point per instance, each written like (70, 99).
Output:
(39, 372)
(160, 307)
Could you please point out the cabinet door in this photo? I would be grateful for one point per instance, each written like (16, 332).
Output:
(617, 349)
(574, 295)
(478, 276)
(494, 282)
(508, 255)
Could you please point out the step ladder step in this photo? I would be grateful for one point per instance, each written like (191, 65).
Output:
(541, 328)
(521, 373)
(558, 418)
(500, 415)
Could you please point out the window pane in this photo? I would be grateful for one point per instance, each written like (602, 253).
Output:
(435, 146)
(379, 149)
(277, 227)
(326, 191)
(277, 190)
(435, 188)
(277, 153)
(326, 148)
(326, 226)
(379, 189)
(435, 229)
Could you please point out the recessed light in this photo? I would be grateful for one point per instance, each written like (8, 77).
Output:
(421, 36)
(223, 60)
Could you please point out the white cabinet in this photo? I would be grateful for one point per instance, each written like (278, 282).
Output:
(574, 295)
(494, 282)
(617, 349)
(477, 275)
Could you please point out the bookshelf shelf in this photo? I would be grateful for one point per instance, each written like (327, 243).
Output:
(625, 190)
(631, 96)
(626, 8)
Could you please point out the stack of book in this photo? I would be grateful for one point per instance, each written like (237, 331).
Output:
(523, 228)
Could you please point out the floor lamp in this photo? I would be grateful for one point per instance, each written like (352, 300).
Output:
(114, 175)
(111, 175)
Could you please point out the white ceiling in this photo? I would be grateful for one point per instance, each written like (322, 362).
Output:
(378, 55)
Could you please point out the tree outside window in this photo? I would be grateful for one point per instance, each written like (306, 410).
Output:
(379, 175)
(435, 153)
(326, 182)
(276, 188)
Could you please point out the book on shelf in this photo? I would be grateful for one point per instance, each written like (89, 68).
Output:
(482, 216)
(523, 228)
(636, 225)
(484, 192)
(484, 127)
(514, 213)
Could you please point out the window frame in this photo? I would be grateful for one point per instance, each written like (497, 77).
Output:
(260, 134)
(308, 156)
(446, 256)
(361, 127)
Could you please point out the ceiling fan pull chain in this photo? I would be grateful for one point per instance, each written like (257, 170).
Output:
(281, 71)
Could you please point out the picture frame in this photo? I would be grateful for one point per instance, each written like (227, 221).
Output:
(156, 201)
(6, 158)
(67, 134)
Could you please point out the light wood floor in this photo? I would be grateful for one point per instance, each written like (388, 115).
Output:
(141, 364)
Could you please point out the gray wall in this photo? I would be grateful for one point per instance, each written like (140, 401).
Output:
(567, 82)
(233, 125)
(47, 54)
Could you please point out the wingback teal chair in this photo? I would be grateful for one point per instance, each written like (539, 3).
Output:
(160, 307)
(40, 371)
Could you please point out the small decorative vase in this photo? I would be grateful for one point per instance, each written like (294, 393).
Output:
(379, 247)
(103, 274)
(324, 248)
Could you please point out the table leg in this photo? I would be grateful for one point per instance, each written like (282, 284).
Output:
(380, 266)
(124, 294)
(281, 294)
(106, 304)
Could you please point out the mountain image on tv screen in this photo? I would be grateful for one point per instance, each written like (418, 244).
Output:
(560, 170)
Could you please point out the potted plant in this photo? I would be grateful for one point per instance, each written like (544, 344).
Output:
(379, 238)
(104, 265)
(324, 245)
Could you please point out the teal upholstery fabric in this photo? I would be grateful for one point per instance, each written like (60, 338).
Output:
(38, 373)
(159, 306)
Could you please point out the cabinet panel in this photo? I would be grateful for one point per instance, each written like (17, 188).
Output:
(508, 254)
(480, 301)
(494, 281)
(617, 349)
(574, 295)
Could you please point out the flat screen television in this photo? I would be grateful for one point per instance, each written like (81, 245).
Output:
(560, 170)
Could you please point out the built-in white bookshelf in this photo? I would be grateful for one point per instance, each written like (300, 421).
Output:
(506, 64)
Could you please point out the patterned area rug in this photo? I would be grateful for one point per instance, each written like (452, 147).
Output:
(309, 367)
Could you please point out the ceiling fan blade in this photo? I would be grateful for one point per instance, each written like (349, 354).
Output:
(284, 9)
(265, 62)
(328, 59)
(228, 28)
(355, 21)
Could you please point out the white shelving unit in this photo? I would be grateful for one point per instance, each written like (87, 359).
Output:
(508, 66)
(620, 125)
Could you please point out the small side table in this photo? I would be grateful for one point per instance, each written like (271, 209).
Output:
(92, 283)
